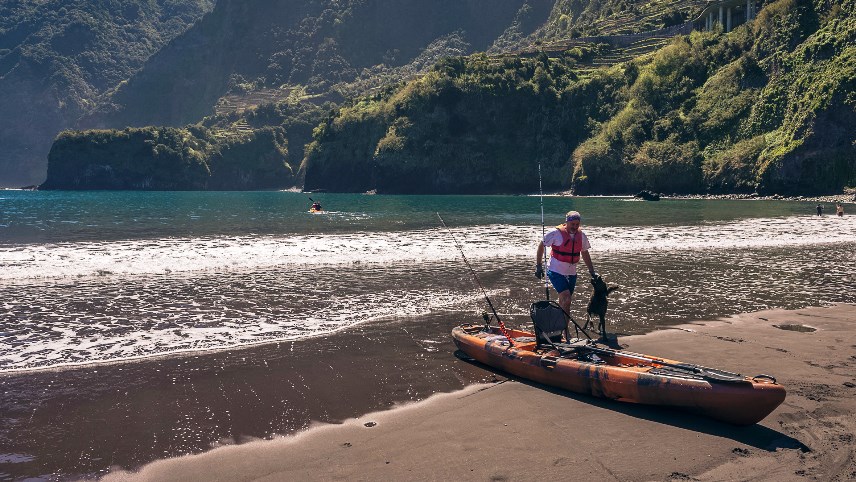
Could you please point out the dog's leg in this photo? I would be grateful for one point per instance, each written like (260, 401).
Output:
(602, 327)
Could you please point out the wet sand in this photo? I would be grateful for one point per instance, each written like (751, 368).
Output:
(514, 430)
(61, 424)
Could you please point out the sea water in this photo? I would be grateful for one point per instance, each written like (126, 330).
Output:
(93, 277)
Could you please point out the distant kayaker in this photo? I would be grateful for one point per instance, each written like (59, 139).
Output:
(819, 209)
(839, 209)
(568, 244)
(316, 206)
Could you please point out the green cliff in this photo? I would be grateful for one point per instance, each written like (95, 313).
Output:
(296, 56)
(167, 158)
(388, 95)
(768, 107)
(58, 57)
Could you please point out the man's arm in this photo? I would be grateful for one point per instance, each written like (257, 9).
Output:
(587, 259)
(539, 269)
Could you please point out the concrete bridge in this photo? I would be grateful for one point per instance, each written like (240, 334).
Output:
(727, 14)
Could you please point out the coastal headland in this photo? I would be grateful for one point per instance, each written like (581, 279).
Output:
(513, 430)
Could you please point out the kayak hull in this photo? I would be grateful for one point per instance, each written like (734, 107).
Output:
(744, 402)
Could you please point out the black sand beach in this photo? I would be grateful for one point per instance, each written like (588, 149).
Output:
(83, 423)
(513, 430)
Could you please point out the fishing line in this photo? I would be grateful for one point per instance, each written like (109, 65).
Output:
(544, 263)
(478, 282)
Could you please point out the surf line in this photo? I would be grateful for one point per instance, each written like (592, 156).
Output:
(478, 282)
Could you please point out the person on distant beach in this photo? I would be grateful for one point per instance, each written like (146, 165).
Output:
(839, 209)
(819, 209)
(568, 244)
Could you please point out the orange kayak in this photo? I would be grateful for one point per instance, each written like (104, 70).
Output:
(592, 369)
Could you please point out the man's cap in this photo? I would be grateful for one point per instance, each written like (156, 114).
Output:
(573, 216)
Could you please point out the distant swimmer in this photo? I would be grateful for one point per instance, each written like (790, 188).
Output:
(819, 209)
(839, 209)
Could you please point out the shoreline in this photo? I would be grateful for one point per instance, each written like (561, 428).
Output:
(844, 197)
(451, 435)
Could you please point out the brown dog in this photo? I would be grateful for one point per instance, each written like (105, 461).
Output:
(597, 304)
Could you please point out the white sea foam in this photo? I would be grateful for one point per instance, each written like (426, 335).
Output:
(170, 255)
(76, 303)
(160, 327)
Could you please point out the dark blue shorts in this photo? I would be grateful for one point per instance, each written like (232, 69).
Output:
(562, 282)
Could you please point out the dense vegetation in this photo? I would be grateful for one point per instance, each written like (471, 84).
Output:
(472, 124)
(168, 158)
(326, 49)
(768, 107)
(58, 56)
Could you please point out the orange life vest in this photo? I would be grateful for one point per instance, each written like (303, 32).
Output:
(569, 250)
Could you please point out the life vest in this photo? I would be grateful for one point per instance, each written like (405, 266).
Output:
(569, 250)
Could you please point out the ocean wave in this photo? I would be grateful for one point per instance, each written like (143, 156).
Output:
(169, 255)
(90, 323)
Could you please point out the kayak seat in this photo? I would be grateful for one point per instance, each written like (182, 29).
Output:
(550, 323)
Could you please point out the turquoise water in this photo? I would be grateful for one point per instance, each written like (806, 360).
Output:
(58, 216)
(89, 277)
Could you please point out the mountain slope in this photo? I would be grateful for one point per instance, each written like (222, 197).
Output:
(307, 52)
(311, 43)
(58, 56)
(245, 54)
(769, 107)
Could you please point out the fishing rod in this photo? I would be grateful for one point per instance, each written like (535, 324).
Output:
(541, 189)
(478, 282)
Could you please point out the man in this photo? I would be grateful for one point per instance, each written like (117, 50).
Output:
(568, 244)
(819, 209)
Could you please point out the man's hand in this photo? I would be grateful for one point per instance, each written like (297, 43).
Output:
(593, 274)
(539, 271)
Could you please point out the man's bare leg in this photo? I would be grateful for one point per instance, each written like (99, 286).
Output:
(565, 301)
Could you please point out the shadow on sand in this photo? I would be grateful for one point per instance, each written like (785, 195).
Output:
(756, 436)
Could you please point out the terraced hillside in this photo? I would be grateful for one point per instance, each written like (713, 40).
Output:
(577, 18)
(766, 107)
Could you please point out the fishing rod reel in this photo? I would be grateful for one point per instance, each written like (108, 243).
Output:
(486, 317)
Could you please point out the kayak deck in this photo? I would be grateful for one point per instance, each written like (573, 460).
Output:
(592, 369)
